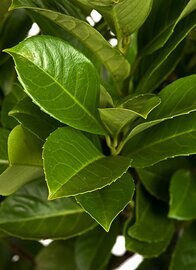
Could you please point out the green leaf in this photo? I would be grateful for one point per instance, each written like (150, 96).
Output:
(147, 250)
(92, 39)
(160, 263)
(155, 72)
(156, 178)
(176, 99)
(166, 140)
(184, 256)
(115, 119)
(24, 148)
(149, 212)
(183, 196)
(157, 30)
(8, 103)
(73, 165)
(29, 215)
(16, 176)
(4, 10)
(58, 255)
(72, 98)
(105, 204)
(93, 249)
(33, 119)
(25, 161)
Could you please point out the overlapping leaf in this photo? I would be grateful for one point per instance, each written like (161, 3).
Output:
(71, 98)
(157, 71)
(111, 58)
(183, 195)
(156, 178)
(176, 99)
(156, 31)
(73, 165)
(29, 215)
(166, 140)
(105, 204)
(33, 119)
(9, 102)
(115, 119)
(25, 162)
(4, 133)
(149, 212)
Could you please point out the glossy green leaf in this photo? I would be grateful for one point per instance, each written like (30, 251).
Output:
(147, 250)
(93, 249)
(176, 99)
(24, 148)
(16, 176)
(115, 119)
(183, 196)
(156, 178)
(166, 140)
(157, 30)
(152, 76)
(72, 98)
(28, 214)
(149, 212)
(184, 256)
(92, 39)
(105, 204)
(73, 165)
(4, 10)
(33, 119)
(160, 263)
(58, 255)
(8, 103)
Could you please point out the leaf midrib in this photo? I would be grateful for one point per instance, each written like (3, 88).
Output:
(166, 139)
(61, 87)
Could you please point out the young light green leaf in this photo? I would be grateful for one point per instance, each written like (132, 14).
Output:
(92, 39)
(166, 140)
(33, 119)
(29, 215)
(153, 38)
(149, 212)
(176, 99)
(9, 102)
(73, 165)
(115, 119)
(156, 178)
(156, 71)
(183, 196)
(93, 249)
(105, 204)
(24, 148)
(71, 98)
(58, 255)
(184, 256)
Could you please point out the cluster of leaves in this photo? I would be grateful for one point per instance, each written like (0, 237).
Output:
(98, 141)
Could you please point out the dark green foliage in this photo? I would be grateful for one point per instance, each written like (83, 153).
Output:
(97, 141)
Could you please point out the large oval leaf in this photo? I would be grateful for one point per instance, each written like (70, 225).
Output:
(61, 86)
(28, 214)
(73, 165)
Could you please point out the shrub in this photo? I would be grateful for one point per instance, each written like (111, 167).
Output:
(98, 140)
